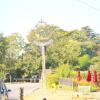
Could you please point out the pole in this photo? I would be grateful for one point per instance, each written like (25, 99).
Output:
(21, 93)
(10, 78)
(43, 73)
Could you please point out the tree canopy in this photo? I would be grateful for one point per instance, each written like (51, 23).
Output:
(74, 48)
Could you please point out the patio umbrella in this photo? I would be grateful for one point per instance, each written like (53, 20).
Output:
(89, 75)
(95, 76)
(78, 76)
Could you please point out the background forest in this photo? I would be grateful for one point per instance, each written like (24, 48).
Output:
(76, 48)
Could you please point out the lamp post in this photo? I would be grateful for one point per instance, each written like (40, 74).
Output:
(42, 43)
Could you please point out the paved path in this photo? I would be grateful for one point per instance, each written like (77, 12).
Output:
(60, 95)
(50, 95)
(32, 92)
(15, 89)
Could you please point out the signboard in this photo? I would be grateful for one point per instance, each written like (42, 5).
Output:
(66, 81)
(84, 89)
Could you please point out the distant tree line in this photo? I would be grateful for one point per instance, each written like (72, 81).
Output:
(77, 48)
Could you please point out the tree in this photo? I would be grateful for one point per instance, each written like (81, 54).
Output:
(89, 32)
(73, 50)
(3, 47)
(84, 61)
(67, 45)
(13, 51)
(41, 32)
(3, 70)
(30, 61)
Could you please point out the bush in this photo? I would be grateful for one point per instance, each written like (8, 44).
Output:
(84, 83)
(64, 70)
(52, 79)
(73, 74)
(94, 88)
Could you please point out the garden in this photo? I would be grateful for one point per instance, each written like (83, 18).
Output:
(91, 78)
(69, 51)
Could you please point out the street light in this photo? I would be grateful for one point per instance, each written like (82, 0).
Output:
(43, 42)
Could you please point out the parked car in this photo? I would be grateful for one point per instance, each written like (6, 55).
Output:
(3, 90)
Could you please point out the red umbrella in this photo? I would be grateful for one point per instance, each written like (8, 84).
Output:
(89, 76)
(95, 76)
(78, 76)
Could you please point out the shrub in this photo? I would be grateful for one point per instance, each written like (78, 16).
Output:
(83, 82)
(63, 70)
(73, 74)
(52, 79)
(94, 88)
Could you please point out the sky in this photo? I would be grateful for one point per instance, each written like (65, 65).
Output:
(22, 15)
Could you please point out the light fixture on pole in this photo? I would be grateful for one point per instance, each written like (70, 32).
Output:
(42, 40)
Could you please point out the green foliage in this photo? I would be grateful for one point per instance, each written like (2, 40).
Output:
(84, 83)
(52, 79)
(89, 32)
(14, 48)
(95, 59)
(84, 61)
(31, 60)
(41, 32)
(72, 50)
(94, 88)
(3, 70)
(73, 74)
(18, 73)
(69, 50)
(63, 71)
(76, 67)
(67, 46)
(3, 47)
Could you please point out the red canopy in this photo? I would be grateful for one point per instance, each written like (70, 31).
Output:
(95, 76)
(89, 76)
(78, 76)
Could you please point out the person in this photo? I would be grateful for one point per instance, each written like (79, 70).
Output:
(78, 75)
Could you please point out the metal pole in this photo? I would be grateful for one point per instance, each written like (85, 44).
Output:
(43, 73)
